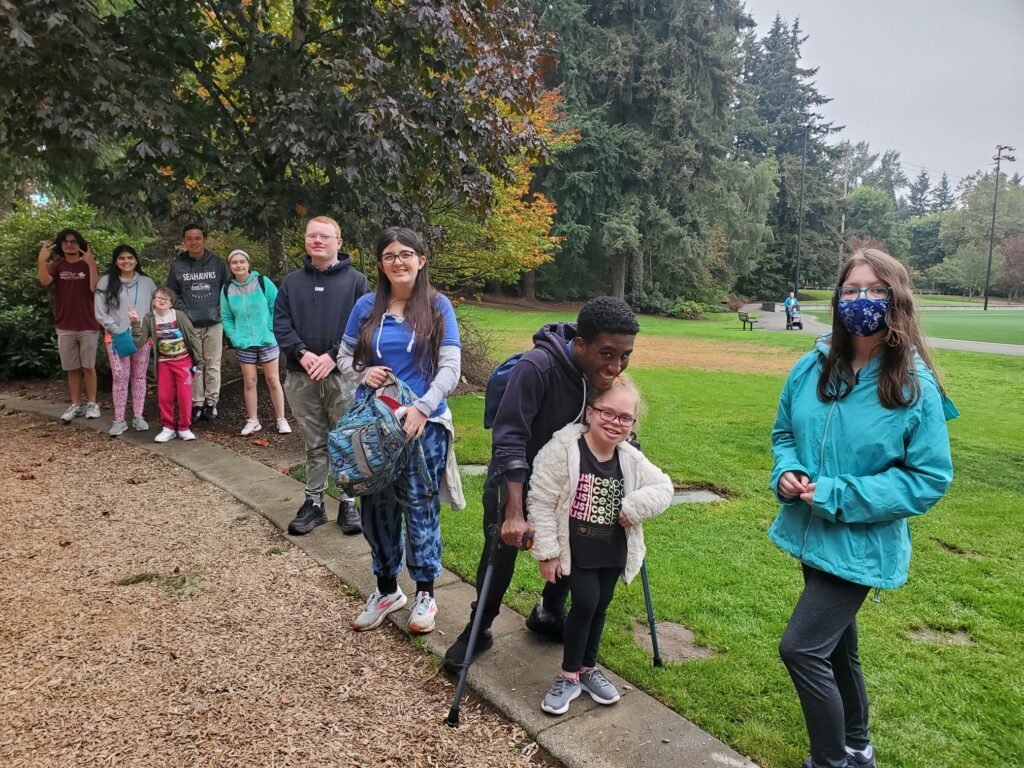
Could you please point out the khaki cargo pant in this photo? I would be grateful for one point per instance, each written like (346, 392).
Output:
(317, 406)
(206, 387)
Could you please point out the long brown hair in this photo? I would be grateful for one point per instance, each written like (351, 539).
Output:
(898, 383)
(421, 312)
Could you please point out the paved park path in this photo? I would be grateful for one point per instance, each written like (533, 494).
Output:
(776, 321)
(255, 663)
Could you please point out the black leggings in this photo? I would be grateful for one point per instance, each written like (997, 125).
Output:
(592, 590)
(819, 648)
(553, 596)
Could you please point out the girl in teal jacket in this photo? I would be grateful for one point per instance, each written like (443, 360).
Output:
(247, 310)
(860, 445)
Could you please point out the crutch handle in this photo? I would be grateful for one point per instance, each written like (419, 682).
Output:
(526, 543)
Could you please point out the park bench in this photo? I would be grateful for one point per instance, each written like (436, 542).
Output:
(746, 319)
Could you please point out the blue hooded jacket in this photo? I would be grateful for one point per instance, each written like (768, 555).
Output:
(874, 467)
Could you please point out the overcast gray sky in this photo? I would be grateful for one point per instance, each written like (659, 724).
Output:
(942, 81)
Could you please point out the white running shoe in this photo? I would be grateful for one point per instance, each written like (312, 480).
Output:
(72, 413)
(377, 609)
(165, 435)
(186, 434)
(252, 425)
(92, 411)
(283, 427)
(424, 610)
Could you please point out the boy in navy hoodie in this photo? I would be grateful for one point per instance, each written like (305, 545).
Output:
(546, 390)
(312, 307)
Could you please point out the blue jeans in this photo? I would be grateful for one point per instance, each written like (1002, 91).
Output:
(416, 502)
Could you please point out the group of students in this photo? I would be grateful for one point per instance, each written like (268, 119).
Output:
(860, 445)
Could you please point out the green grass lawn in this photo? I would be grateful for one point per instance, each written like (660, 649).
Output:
(714, 570)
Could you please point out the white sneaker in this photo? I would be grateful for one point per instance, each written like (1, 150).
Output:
(283, 427)
(139, 424)
(377, 609)
(117, 428)
(252, 425)
(92, 411)
(421, 620)
(165, 435)
(73, 412)
(186, 434)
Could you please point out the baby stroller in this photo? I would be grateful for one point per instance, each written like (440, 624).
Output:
(793, 319)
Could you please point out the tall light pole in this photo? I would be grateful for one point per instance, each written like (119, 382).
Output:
(800, 224)
(998, 157)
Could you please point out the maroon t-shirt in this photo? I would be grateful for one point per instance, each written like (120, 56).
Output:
(73, 308)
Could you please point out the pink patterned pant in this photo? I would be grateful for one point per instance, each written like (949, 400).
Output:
(129, 371)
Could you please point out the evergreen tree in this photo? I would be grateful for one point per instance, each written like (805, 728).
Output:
(918, 195)
(777, 110)
(649, 199)
(888, 175)
(942, 195)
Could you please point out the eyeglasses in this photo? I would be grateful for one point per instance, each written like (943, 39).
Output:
(314, 237)
(161, 298)
(875, 292)
(403, 256)
(610, 416)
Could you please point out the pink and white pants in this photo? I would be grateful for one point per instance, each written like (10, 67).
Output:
(129, 371)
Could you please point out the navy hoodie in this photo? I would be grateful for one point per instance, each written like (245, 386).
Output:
(312, 308)
(546, 391)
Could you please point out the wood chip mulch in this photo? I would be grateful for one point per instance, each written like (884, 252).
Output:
(223, 645)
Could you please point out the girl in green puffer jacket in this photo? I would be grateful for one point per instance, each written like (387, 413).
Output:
(860, 445)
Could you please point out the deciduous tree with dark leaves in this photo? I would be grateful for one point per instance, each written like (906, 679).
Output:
(258, 113)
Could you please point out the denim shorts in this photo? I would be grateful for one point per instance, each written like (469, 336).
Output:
(258, 355)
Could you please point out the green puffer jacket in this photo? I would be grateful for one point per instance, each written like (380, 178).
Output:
(874, 468)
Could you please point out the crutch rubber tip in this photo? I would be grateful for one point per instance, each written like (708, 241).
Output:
(452, 721)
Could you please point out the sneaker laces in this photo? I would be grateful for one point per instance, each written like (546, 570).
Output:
(422, 602)
(558, 687)
(598, 677)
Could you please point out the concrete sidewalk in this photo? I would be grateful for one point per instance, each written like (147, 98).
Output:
(513, 676)
(776, 321)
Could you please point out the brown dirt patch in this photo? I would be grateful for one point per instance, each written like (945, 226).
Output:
(941, 635)
(706, 355)
(256, 667)
(675, 642)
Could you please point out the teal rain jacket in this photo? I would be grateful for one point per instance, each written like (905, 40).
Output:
(874, 468)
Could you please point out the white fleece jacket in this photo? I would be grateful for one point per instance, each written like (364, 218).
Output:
(556, 473)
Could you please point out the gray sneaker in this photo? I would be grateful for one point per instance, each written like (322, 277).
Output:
(597, 685)
(117, 428)
(72, 413)
(139, 424)
(92, 411)
(563, 691)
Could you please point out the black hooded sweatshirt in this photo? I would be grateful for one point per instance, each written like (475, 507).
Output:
(312, 308)
(546, 391)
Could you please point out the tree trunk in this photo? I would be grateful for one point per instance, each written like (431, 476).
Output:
(275, 248)
(528, 285)
(637, 277)
(619, 275)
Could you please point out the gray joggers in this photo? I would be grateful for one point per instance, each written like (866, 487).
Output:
(819, 648)
(317, 406)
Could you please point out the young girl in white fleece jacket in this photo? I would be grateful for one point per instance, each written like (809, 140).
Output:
(589, 494)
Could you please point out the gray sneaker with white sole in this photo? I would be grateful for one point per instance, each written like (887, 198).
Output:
(598, 686)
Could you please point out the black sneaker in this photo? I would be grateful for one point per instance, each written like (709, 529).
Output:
(455, 656)
(209, 412)
(546, 625)
(348, 518)
(309, 516)
(197, 413)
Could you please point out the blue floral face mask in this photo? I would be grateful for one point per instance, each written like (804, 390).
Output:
(863, 316)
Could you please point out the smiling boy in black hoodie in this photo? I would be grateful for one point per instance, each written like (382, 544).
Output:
(312, 307)
(546, 391)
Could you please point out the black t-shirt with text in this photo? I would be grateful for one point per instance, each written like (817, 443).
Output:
(596, 540)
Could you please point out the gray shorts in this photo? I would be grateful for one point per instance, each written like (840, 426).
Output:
(258, 355)
(77, 349)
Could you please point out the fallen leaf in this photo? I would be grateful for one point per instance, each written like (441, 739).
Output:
(158, 521)
(209, 437)
(287, 701)
(135, 481)
(261, 441)
(26, 477)
(64, 543)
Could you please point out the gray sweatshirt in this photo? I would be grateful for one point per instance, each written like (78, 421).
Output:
(137, 293)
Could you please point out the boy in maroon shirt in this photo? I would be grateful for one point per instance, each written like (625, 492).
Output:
(73, 276)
